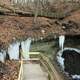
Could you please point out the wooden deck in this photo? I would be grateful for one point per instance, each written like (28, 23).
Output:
(39, 67)
(33, 71)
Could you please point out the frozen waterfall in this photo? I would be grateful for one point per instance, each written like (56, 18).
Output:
(61, 42)
(2, 56)
(13, 51)
(25, 48)
(60, 59)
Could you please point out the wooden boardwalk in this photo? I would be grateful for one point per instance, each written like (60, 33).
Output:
(33, 71)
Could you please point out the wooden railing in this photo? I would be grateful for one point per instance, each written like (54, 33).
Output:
(45, 62)
(49, 67)
(20, 76)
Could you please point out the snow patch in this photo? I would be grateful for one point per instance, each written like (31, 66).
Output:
(76, 77)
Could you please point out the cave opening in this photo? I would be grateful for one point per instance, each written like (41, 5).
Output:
(71, 61)
(69, 57)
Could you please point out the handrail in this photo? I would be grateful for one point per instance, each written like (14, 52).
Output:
(45, 61)
(50, 76)
(20, 76)
(52, 71)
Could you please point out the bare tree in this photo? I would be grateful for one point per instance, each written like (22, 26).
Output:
(36, 2)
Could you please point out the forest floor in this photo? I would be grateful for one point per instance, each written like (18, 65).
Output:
(9, 70)
(17, 28)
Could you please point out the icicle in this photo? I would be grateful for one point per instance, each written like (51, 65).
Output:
(13, 51)
(60, 60)
(2, 56)
(25, 48)
(61, 42)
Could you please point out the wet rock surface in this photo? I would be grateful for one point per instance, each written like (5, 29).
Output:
(71, 62)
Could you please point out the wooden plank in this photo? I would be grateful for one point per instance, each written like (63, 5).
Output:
(33, 71)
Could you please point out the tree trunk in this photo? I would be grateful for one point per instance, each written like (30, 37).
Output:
(36, 11)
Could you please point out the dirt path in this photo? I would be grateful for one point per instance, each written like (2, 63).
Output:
(33, 71)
